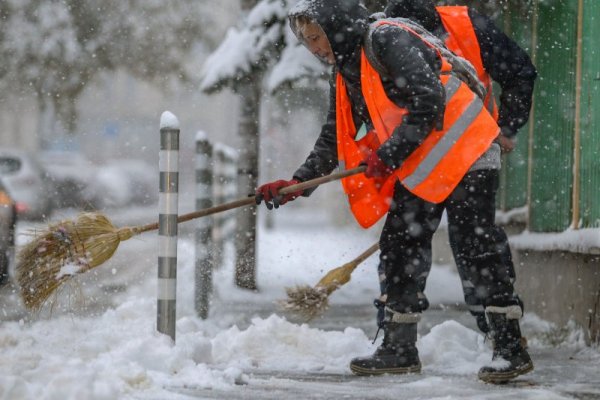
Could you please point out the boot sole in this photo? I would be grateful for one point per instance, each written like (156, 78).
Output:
(503, 377)
(414, 369)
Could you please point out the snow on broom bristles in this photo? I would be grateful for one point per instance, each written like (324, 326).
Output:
(63, 250)
(309, 302)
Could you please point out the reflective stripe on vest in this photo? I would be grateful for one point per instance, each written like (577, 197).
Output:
(452, 135)
(434, 169)
(463, 41)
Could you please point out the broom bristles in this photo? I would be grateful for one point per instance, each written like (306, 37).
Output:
(309, 302)
(305, 301)
(63, 250)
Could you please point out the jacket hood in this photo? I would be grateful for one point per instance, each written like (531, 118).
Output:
(420, 11)
(343, 21)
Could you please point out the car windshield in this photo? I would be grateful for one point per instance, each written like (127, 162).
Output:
(9, 165)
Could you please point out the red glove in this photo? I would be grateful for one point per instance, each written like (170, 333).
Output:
(269, 192)
(375, 167)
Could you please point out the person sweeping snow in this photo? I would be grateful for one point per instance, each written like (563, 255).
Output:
(496, 57)
(429, 147)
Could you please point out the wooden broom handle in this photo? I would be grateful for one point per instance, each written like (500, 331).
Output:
(246, 201)
(365, 254)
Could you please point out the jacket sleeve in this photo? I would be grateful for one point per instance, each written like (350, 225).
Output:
(411, 81)
(510, 66)
(323, 159)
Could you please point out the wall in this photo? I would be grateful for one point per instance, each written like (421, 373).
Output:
(561, 286)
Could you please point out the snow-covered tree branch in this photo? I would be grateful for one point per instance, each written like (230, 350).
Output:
(262, 42)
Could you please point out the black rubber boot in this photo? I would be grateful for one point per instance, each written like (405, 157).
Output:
(510, 358)
(397, 354)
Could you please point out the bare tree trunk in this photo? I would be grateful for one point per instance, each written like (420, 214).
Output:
(245, 227)
(271, 167)
(245, 235)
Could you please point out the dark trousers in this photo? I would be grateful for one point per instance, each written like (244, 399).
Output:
(479, 246)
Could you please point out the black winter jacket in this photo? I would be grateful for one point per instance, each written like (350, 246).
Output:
(506, 63)
(412, 82)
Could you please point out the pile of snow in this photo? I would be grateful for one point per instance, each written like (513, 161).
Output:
(120, 353)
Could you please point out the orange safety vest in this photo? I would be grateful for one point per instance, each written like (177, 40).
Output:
(463, 42)
(435, 168)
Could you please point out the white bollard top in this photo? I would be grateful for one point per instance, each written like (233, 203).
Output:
(201, 135)
(168, 121)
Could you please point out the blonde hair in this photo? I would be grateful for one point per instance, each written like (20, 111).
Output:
(298, 24)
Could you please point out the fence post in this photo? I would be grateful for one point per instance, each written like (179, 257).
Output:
(204, 263)
(168, 162)
(225, 171)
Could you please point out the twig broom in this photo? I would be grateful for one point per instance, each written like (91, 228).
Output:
(309, 302)
(68, 248)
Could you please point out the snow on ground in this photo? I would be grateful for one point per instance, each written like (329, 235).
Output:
(115, 352)
(572, 240)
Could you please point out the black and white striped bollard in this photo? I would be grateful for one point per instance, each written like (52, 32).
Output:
(204, 266)
(167, 223)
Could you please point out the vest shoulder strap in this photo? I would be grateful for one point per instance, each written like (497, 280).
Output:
(368, 47)
(460, 67)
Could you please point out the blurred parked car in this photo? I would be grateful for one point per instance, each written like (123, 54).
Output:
(70, 173)
(121, 183)
(28, 183)
(8, 221)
